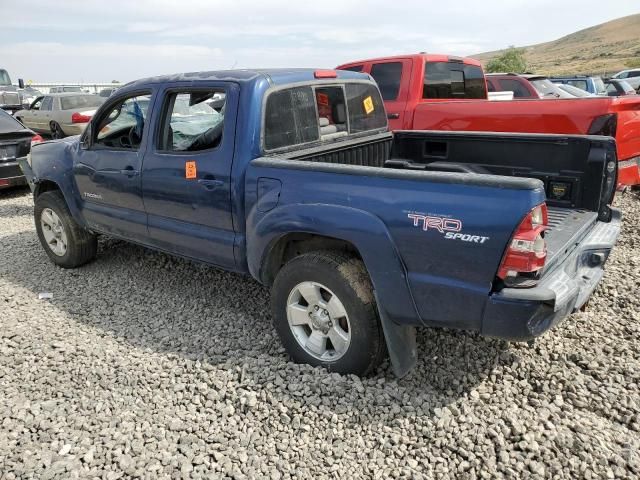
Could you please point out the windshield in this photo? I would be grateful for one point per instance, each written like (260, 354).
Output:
(79, 101)
(547, 88)
(4, 78)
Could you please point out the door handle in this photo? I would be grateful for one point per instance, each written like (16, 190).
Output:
(129, 172)
(210, 183)
(393, 116)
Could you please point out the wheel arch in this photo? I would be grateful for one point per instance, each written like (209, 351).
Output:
(287, 230)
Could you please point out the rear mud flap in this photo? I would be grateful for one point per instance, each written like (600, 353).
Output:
(27, 171)
(401, 344)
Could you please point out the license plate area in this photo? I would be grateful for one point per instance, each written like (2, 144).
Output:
(7, 152)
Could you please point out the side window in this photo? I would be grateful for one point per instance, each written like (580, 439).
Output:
(122, 125)
(633, 75)
(453, 80)
(387, 76)
(490, 86)
(354, 68)
(290, 118)
(192, 121)
(47, 103)
(519, 91)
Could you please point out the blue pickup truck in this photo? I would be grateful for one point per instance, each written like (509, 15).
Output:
(292, 177)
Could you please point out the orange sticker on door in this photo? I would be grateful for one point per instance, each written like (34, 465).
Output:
(367, 103)
(190, 170)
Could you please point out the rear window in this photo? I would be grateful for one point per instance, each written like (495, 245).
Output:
(581, 84)
(307, 114)
(387, 76)
(453, 80)
(80, 101)
(519, 90)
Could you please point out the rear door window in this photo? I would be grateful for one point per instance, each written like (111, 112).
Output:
(193, 121)
(453, 80)
(387, 76)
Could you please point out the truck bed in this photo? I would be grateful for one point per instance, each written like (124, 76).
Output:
(567, 227)
(574, 163)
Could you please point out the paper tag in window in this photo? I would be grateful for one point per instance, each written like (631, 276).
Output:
(368, 105)
(323, 99)
(190, 170)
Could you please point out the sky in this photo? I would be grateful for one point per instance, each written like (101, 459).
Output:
(101, 41)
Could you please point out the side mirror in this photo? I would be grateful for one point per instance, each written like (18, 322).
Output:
(20, 83)
(85, 141)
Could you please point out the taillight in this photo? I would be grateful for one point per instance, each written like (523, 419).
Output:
(527, 250)
(604, 125)
(80, 118)
(325, 74)
(36, 139)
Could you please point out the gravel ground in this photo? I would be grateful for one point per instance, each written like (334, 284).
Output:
(143, 365)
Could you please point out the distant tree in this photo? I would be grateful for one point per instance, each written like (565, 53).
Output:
(115, 81)
(633, 63)
(511, 61)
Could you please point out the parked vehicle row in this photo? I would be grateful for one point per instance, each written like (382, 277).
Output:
(361, 234)
(440, 92)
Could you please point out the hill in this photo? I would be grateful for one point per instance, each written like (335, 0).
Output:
(603, 49)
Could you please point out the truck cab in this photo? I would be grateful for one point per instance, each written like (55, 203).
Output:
(404, 79)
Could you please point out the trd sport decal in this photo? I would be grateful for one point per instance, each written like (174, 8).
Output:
(449, 227)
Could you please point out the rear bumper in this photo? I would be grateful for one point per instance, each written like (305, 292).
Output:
(523, 314)
(11, 175)
(629, 171)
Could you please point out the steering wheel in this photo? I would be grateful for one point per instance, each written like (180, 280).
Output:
(134, 139)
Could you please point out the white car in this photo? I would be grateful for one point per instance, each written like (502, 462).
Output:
(632, 77)
(60, 114)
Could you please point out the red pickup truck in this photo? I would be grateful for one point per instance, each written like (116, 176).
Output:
(441, 92)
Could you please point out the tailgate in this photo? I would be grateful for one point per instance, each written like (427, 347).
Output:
(567, 228)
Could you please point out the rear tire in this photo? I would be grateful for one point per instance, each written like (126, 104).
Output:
(325, 314)
(65, 242)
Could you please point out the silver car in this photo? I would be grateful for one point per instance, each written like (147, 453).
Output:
(60, 114)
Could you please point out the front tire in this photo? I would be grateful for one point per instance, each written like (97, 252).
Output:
(65, 242)
(325, 314)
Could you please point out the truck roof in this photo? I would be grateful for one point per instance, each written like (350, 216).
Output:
(275, 76)
(427, 57)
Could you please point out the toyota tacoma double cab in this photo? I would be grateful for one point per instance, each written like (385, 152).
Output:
(292, 177)
(442, 92)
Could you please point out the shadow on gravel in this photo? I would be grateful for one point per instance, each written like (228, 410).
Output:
(155, 301)
(11, 210)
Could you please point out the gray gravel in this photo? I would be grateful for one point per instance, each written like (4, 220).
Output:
(143, 365)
